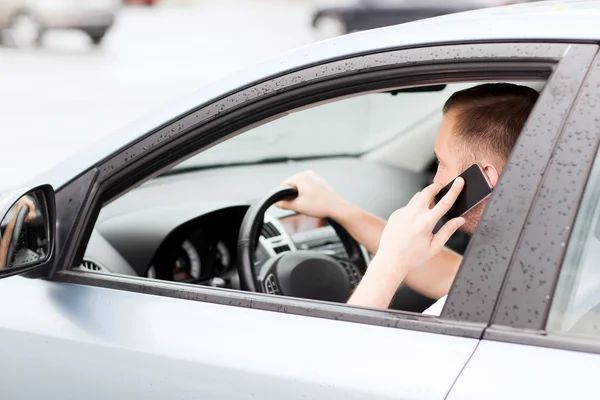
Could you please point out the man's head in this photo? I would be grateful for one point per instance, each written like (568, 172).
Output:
(481, 125)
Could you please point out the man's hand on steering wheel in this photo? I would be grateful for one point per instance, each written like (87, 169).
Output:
(315, 197)
(298, 273)
(31, 214)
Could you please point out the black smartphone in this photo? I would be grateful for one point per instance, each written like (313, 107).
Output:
(477, 188)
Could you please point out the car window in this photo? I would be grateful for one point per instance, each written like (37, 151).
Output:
(350, 126)
(576, 305)
(173, 229)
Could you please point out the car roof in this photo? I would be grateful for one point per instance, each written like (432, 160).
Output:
(538, 21)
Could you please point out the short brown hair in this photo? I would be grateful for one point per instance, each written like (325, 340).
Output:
(490, 118)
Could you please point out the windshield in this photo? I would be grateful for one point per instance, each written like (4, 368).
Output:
(351, 126)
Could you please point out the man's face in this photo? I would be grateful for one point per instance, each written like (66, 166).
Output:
(451, 163)
(449, 160)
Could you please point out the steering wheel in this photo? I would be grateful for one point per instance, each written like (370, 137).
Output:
(304, 274)
(16, 233)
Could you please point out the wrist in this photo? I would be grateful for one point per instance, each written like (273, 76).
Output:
(342, 210)
(378, 286)
(387, 268)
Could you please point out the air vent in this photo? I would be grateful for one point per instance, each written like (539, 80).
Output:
(281, 249)
(271, 286)
(269, 230)
(90, 266)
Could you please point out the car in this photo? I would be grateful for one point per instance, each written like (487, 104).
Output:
(23, 23)
(358, 15)
(143, 2)
(155, 266)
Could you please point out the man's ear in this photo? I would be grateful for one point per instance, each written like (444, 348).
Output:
(492, 173)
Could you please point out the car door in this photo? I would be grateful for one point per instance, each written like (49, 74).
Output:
(93, 335)
(544, 340)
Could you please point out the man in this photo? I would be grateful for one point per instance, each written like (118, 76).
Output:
(480, 125)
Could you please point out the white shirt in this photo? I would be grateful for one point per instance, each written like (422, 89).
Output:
(436, 308)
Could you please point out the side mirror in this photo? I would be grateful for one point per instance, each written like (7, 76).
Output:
(27, 230)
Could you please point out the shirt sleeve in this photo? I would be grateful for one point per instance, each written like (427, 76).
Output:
(436, 308)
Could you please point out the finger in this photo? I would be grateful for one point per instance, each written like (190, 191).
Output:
(283, 204)
(32, 215)
(293, 180)
(290, 182)
(442, 207)
(413, 201)
(428, 194)
(30, 205)
(446, 231)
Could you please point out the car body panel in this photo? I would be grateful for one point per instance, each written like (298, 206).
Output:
(97, 343)
(546, 22)
(510, 371)
(313, 338)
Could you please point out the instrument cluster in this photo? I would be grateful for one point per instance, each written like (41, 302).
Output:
(200, 250)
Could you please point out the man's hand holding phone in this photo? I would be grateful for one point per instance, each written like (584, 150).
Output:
(408, 242)
(408, 236)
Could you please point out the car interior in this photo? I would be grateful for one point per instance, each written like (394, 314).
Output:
(190, 224)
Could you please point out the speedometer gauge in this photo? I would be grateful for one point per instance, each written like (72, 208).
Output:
(187, 264)
(151, 272)
(223, 258)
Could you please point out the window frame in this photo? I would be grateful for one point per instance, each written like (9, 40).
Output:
(572, 162)
(490, 252)
(237, 112)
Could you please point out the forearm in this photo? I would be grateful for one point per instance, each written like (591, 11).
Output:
(434, 278)
(4, 242)
(365, 227)
(377, 289)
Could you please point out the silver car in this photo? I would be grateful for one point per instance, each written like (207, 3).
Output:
(152, 265)
(24, 22)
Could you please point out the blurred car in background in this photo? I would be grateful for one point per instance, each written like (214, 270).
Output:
(24, 22)
(361, 15)
(143, 2)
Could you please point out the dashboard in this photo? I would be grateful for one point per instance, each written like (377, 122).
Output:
(184, 227)
(204, 250)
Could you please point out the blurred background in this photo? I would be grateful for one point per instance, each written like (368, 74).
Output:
(72, 71)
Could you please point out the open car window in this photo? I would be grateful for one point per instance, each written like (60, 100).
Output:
(174, 228)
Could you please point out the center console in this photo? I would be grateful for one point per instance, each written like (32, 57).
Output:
(300, 232)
